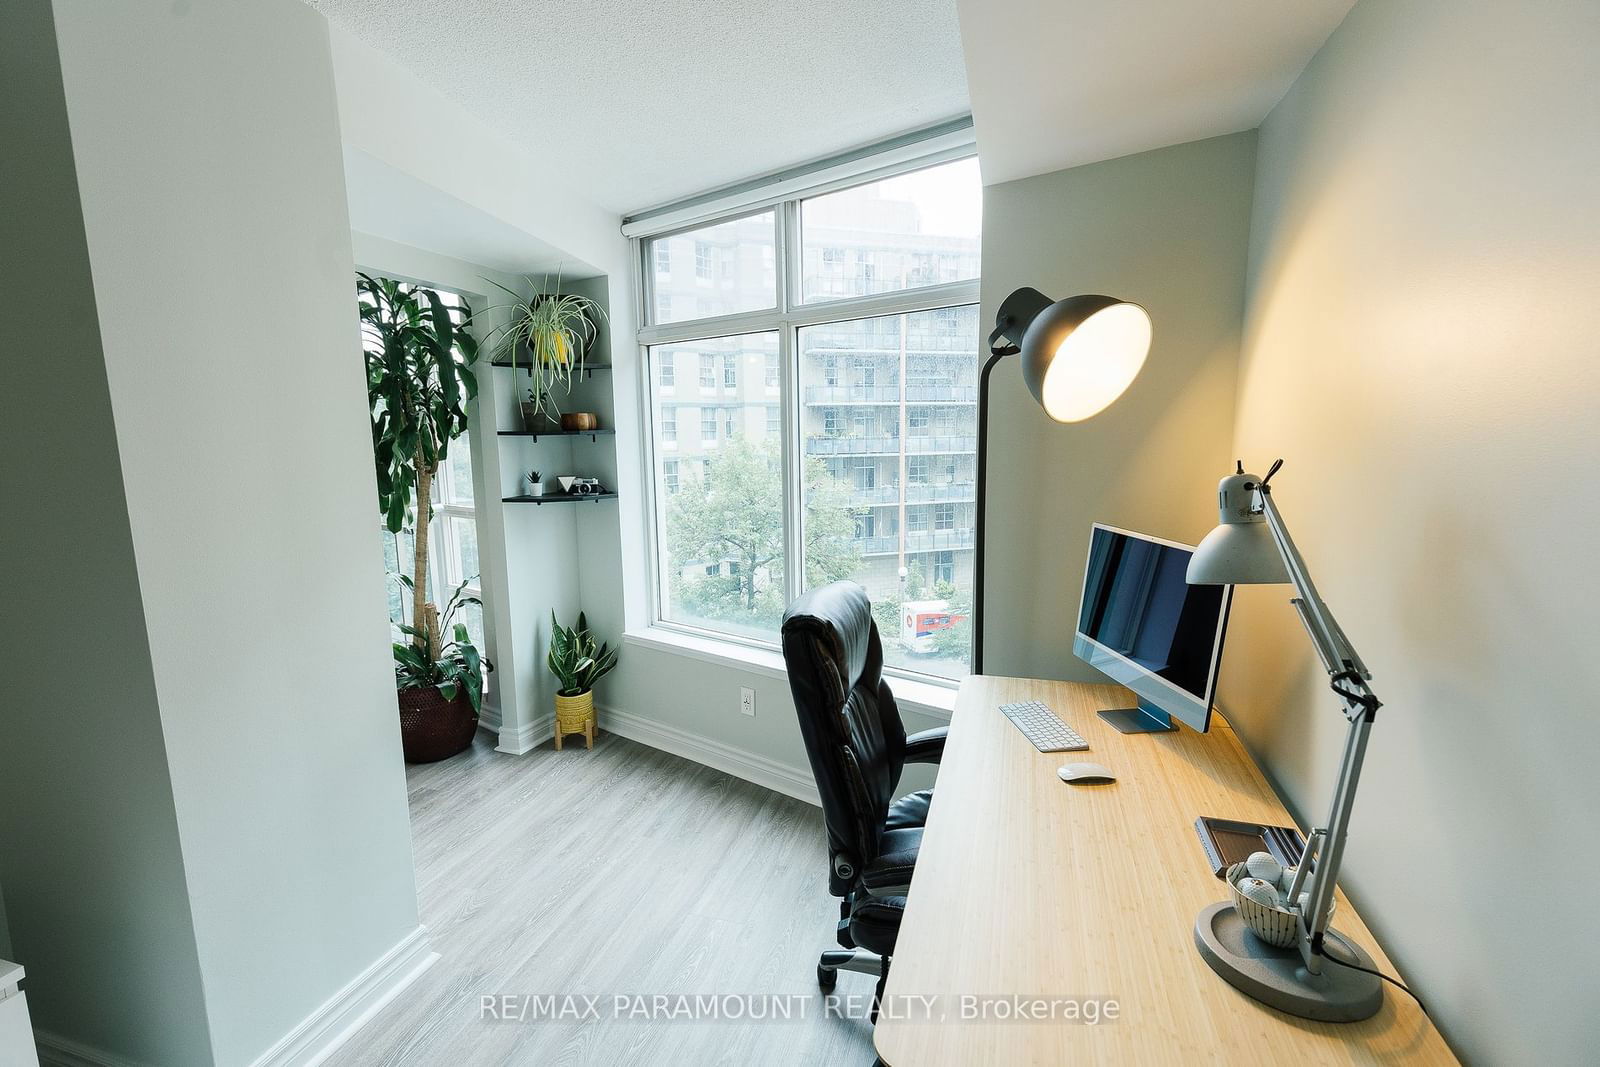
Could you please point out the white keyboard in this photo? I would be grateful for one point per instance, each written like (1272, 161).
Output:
(1040, 725)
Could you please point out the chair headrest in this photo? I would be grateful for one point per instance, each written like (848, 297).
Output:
(840, 616)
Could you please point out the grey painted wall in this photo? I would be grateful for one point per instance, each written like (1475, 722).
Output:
(218, 750)
(1421, 348)
(1168, 229)
(96, 897)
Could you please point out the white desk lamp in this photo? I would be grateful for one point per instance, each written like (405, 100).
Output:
(1251, 546)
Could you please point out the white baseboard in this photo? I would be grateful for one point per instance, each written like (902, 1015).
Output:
(58, 1051)
(530, 735)
(324, 1030)
(779, 777)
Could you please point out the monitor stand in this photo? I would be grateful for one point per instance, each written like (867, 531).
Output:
(1144, 719)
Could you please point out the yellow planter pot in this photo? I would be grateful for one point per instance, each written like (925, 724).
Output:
(575, 715)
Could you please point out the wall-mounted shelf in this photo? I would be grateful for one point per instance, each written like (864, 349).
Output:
(523, 365)
(557, 498)
(536, 434)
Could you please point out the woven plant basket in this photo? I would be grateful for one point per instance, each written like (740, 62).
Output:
(574, 713)
(433, 728)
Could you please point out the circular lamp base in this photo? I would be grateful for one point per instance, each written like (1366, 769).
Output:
(1278, 976)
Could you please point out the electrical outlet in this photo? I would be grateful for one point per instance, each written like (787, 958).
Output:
(747, 701)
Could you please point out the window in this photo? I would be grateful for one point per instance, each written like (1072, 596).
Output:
(865, 329)
(900, 228)
(669, 475)
(720, 532)
(735, 270)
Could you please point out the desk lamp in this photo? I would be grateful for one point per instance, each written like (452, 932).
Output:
(1251, 546)
(1078, 355)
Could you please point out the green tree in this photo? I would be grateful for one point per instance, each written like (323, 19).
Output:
(732, 514)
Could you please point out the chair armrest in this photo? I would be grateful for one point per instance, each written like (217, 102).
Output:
(926, 746)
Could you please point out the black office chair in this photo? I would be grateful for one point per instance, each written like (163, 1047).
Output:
(857, 747)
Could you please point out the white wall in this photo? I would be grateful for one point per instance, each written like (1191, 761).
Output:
(96, 900)
(1168, 229)
(1421, 349)
(210, 172)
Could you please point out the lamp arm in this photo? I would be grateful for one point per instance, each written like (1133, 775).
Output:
(981, 491)
(1349, 680)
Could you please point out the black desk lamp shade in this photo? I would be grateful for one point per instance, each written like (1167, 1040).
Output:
(1078, 355)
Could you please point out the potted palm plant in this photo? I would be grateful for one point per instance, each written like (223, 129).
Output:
(552, 332)
(577, 662)
(432, 689)
(419, 359)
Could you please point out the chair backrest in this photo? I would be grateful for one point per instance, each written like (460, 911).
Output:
(852, 729)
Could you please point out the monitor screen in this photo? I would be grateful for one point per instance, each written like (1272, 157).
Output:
(1145, 626)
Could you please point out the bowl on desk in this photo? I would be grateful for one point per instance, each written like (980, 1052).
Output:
(1277, 926)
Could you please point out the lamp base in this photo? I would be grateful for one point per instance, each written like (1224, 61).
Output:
(1278, 977)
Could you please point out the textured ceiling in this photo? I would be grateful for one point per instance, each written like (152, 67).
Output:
(645, 102)
(1096, 79)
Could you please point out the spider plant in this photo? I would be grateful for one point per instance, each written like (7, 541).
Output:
(555, 329)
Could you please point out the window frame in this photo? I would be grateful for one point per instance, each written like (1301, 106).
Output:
(789, 315)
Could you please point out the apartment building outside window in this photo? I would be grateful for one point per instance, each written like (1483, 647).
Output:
(852, 455)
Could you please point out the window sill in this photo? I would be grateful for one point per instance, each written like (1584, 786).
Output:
(923, 698)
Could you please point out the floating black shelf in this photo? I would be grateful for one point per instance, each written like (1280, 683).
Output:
(523, 365)
(536, 434)
(556, 498)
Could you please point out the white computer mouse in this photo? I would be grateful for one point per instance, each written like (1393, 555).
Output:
(1085, 774)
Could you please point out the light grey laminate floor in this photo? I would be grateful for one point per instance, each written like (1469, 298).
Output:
(621, 870)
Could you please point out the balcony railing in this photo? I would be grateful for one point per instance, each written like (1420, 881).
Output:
(852, 394)
(890, 394)
(941, 394)
(880, 494)
(877, 546)
(935, 540)
(935, 494)
(958, 443)
(852, 446)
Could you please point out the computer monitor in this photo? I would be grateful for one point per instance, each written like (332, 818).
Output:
(1144, 625)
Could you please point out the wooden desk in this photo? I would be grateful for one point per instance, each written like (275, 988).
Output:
(1029, 886)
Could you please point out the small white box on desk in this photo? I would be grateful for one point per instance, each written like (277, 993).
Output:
(16, 1032)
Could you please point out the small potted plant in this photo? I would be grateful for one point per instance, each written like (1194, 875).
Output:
(577, 662)
(535, 483)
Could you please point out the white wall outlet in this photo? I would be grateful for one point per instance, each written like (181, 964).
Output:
(747, 701)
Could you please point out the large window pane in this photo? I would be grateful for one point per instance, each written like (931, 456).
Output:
(889, 425)
(718, 270)
(916, 229)
(719, 485)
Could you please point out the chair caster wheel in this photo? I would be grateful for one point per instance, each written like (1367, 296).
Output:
(827, 978)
